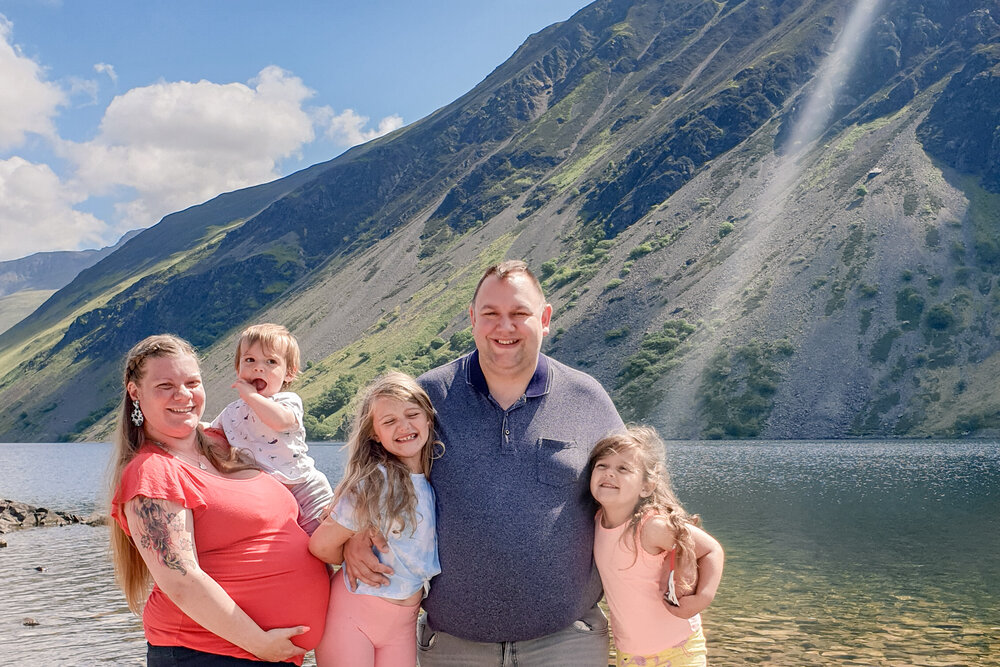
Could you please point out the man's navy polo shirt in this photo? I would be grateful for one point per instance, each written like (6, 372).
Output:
(515, 517)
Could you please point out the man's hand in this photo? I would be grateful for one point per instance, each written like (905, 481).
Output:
(360, 562)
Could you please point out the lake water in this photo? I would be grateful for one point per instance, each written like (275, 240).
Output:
(837, 553)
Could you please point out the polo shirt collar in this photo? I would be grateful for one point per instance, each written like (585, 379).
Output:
(537, 386)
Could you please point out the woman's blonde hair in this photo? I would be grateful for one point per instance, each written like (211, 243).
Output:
(362, 479)
(661, 501)
(130, 570)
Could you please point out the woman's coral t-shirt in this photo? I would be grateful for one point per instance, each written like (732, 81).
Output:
(247, 540)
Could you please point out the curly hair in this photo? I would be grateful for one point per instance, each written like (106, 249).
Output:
(662, 501)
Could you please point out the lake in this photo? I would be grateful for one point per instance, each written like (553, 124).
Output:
(837, 553)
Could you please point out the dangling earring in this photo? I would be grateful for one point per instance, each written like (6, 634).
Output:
(137, 417)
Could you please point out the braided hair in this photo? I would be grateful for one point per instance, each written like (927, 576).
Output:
(130, 570)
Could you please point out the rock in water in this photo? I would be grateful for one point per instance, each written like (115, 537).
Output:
(15, 515)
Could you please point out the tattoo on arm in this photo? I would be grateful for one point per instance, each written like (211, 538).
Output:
(162, 532)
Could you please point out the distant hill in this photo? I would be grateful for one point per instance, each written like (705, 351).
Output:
(27, 282)
(51, 270)
(747, 228)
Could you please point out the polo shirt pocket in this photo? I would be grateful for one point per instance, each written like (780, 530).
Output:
(558, 462)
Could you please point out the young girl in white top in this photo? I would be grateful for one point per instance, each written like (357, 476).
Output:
(267, 420)
(658, 568)
(385, 488)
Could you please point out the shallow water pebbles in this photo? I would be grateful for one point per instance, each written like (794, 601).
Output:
(838, 655)
(776, 633)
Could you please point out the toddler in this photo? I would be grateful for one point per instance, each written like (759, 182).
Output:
(267, 420)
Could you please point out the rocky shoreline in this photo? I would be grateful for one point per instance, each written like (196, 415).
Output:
(16, 516)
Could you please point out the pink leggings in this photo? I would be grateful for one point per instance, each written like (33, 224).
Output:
(364, 630)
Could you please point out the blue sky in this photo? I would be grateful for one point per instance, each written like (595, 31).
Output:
(115, 113)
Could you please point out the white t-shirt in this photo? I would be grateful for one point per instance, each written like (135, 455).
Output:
(412, 553)
(282, 453)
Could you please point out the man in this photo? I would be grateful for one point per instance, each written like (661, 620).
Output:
(515, 519)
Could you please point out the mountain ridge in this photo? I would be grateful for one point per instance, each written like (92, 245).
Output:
(51, 270)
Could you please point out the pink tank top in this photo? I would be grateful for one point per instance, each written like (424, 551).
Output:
(639, 618)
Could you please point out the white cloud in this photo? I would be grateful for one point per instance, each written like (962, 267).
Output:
(177, 144)
(83, 87)
(347, 127)
(27, 101)
(159, 148)
(104, 68)
(36, 212)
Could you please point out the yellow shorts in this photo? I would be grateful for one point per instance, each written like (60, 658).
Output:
(692, 653)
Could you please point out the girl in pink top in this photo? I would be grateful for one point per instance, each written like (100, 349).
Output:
(658, 568)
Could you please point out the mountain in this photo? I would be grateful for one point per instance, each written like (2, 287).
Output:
(50, 270)
(772, 219)
(27, 282)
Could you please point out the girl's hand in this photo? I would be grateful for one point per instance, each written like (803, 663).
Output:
(360, 562)
(277, 644)
(327, 543)
(710, 560)
(687, 606)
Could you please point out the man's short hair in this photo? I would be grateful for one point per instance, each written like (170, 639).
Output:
(506, 268)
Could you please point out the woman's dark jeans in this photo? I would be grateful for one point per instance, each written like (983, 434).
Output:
(178, 656)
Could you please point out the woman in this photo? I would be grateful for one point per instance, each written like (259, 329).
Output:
(234, 580)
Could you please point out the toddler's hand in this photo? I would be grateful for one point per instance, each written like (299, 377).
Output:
(244, 388)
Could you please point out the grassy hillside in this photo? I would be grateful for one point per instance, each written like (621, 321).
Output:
(15, 307)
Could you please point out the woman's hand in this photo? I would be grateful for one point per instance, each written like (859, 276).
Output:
(163, 533)
(277, 644)
(360, 562)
